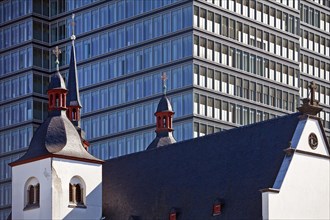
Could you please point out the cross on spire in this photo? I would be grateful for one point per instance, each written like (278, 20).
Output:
(312, 88)
(57, 52)
(164, 78)
(73, 23)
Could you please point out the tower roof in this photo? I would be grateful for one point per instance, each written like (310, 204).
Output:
(56, 137)
(164, 104)
(56, 81)
(73, 95)
(73, 98)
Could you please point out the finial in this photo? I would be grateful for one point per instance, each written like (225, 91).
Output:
(164, 78)
(312, 86)
(73, 23)
(57, 52)
(310, 106)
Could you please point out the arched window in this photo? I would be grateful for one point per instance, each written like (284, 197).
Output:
(57, 101)
(74, 114)
(77, 195)
(164, 122)
(32, 193)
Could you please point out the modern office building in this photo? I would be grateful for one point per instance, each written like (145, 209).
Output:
(228, 63)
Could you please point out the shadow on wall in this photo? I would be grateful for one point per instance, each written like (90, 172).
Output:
(93, 209)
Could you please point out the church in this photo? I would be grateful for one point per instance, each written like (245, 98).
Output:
(275, 169)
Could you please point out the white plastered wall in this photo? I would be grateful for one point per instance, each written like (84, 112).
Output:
(54, 175)
(305, 190)
(63, 171)
(41, 170)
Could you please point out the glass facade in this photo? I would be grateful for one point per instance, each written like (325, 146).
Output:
(228, 62)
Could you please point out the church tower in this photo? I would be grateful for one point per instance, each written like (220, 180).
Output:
(73, 99)
(57, 178)
(164, 121)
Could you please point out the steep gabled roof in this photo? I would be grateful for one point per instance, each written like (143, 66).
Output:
(231, 166)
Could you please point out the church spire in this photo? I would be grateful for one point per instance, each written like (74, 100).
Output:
(73, 100)
(164, 121)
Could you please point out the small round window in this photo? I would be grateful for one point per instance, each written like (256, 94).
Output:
(312, 140)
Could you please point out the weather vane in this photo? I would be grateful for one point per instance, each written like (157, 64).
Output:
(57, 52)
(164, 78)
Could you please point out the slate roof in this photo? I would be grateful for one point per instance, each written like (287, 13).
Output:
(162, 139)
(73, 98)
(56, 81)
(164, 104)
(56, 136)
(231, 166)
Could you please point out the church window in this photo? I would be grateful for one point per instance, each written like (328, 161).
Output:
(173, 214)
(77, 193)
(216, 208)
(32, 193)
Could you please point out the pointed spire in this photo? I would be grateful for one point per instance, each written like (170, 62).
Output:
(164, 121)
(73, 100)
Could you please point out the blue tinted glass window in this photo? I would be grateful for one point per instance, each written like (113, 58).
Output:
(104, 18)
(121, 37)
(121, 65)
(166, 52)
(138, 7)
(130, 8)
(104, 73)
(104, 43)
(113, 123)
(147, 85)
(176, 20)
(121, 121)
(95, 46)
(130, 91)
(113, 68)
(113, 95)
(95, 19)
(138, 32)
(112, 41)
(147, 29)
(138, 60)
(147, 57)
(104, 97)
(157, 26)
(139, 116)
(176, 49)
(166, 23)
(130, 118)
(158, 58)
(130, 63)
(187, 46)
(129, 35)
(112, 13)
(187, 17)
(139, 88)
(87, 22)
(121, 9)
